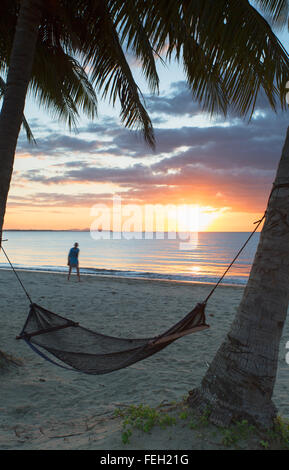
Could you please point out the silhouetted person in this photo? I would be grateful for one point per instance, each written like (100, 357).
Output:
(73, 260)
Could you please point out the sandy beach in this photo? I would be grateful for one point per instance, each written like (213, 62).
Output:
(46, 407)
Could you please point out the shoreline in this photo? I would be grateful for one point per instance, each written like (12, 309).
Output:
(125, 277)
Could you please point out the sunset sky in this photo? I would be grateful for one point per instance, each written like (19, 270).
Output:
(223, 168)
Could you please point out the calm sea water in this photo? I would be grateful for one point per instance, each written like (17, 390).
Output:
(203, 258)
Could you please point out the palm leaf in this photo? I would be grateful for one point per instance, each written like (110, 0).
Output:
(25, 124)
(61, 84)
(228, 49)
(29, 134)
(111, 73)
(128, 24)
(276, 10)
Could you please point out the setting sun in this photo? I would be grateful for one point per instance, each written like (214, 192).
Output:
(195, 218)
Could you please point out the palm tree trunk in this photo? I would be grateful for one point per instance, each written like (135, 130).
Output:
(19, 74)
(18, 78)
(239, 383)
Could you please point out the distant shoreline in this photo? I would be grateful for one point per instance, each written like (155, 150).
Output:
(45, 230)
(110, 231)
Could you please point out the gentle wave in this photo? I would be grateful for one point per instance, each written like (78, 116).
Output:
(133, 274)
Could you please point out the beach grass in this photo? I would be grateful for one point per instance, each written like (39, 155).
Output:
(175, 419)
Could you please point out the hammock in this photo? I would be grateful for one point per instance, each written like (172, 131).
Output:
(91, 352)
(94, 353)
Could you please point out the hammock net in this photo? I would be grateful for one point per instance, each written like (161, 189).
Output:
(93, 353)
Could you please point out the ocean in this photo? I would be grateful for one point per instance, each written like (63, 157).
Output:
(198, 257)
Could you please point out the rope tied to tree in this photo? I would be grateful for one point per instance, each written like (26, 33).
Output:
(257, 223)
(16, 274)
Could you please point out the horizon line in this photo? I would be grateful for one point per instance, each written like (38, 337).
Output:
(112, 231)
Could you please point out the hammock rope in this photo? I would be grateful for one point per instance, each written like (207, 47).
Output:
(16, 274)
(90, 352)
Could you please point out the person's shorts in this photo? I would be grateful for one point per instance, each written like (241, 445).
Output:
(73, 264)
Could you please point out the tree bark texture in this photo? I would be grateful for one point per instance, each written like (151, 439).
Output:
(240, 381)
(19, 75)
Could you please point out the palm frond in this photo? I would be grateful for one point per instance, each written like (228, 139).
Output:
(228, 49)
(60, 84)
(128, 24)
(111, 73)
(276, 10)
(29, 134)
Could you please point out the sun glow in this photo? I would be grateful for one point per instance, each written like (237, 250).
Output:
(194, 218)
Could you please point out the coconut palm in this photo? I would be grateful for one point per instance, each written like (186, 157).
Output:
(229, 54)
(240, 381)
(25, 124)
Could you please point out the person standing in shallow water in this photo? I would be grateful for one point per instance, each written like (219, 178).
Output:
(73, 260)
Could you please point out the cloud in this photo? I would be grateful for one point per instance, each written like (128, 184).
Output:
(191, 183)
(178, 103)
(43, 199)
(226, 162)
(59, 144)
